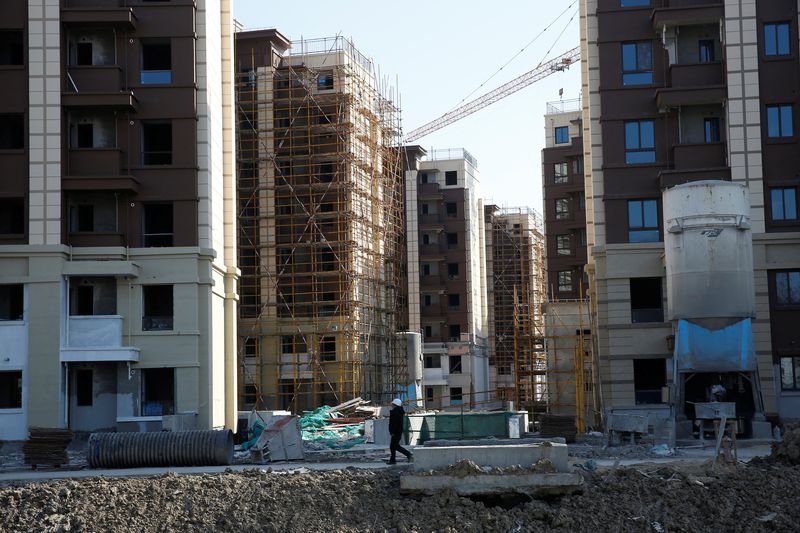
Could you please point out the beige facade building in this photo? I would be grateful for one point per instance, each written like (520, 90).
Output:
(117, 231)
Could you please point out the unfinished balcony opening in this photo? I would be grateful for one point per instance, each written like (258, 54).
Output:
(92, 296)
(94, 219)
(88, 47)
(92, 130)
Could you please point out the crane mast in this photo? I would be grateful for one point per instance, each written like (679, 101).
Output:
(557, 64)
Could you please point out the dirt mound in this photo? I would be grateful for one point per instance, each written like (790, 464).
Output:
(788, 450)
(661, 499)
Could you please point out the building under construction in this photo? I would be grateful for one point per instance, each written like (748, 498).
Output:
(515, 268)
(321, 226)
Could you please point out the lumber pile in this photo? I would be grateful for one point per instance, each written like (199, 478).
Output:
(558, 426)
(47, 446)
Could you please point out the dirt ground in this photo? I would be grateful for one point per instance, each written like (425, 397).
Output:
(648, 498)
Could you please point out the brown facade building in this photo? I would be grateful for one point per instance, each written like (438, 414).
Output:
(564, 200)
(680, 92)
(117, 271)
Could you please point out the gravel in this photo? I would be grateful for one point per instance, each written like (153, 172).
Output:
(647, 498)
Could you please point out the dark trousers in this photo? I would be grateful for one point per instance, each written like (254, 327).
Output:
(394, 446)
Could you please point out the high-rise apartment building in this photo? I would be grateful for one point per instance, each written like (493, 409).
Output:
(321, 241)
(447, 272)
(678, 92)
(117, 253)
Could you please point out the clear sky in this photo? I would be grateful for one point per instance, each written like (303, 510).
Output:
(439, 51)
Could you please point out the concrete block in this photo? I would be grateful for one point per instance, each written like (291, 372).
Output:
(434, 458)
(377, 431)
(486, 484)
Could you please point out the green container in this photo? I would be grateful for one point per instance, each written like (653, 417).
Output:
(460, 426)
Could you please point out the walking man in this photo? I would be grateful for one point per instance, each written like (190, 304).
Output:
(396, 416)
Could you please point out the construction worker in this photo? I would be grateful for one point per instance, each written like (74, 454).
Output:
(396, 416)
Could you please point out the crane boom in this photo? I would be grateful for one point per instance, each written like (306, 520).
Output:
(556, 64)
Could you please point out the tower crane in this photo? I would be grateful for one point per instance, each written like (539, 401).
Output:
(557, 64)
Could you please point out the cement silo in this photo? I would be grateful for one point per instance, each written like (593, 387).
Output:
(709, 251)
(711, 298)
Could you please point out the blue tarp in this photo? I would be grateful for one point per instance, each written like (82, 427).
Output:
(728, 349)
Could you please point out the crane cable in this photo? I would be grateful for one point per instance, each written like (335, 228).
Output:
(551, 24)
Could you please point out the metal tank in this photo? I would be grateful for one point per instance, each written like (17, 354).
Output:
(709, 252)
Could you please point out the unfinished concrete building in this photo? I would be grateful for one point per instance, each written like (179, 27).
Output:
(516, 292)
(447, 277)
(321, 225)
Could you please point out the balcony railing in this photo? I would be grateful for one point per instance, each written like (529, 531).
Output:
(95, 78)
(94, 162)
(696, 74)
(99, 331)
(697, 156)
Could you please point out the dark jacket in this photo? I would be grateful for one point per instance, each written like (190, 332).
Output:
(396, 420)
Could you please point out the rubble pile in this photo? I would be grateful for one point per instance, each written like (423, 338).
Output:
(341, 426)
(746, 498)
(788, 449)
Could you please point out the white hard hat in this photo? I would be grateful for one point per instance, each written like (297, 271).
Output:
(397, 402)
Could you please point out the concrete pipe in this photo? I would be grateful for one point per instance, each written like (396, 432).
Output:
(161, 448)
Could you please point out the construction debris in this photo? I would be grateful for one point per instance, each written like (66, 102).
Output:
(329, 425)
(47, 446)
(741, 499)
(788, 449)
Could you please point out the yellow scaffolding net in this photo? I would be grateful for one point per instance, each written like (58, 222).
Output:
(321, 230)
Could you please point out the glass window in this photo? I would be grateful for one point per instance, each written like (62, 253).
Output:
(563, 244)
(562, 134)
(779, 121)
(562, 208)
(790, 373)
(560, 173)
(577, 166)
(637, 63)
(784, 203)
(787, 287)
(706, 51)
(565, 281)
(776, 39)
(640, 142)
(634, 3)
(711, 127)
(643, 221)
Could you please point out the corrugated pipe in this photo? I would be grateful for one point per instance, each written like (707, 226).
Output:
(160, 448)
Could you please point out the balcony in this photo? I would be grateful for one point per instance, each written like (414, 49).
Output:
(429, 191)
(687, 12)
(693, 84)
(694, 162)
(96, 78)
(696, 75)
(123, 101)
(433, 376)
(96, 13)
(96, 339)
(97, 169)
